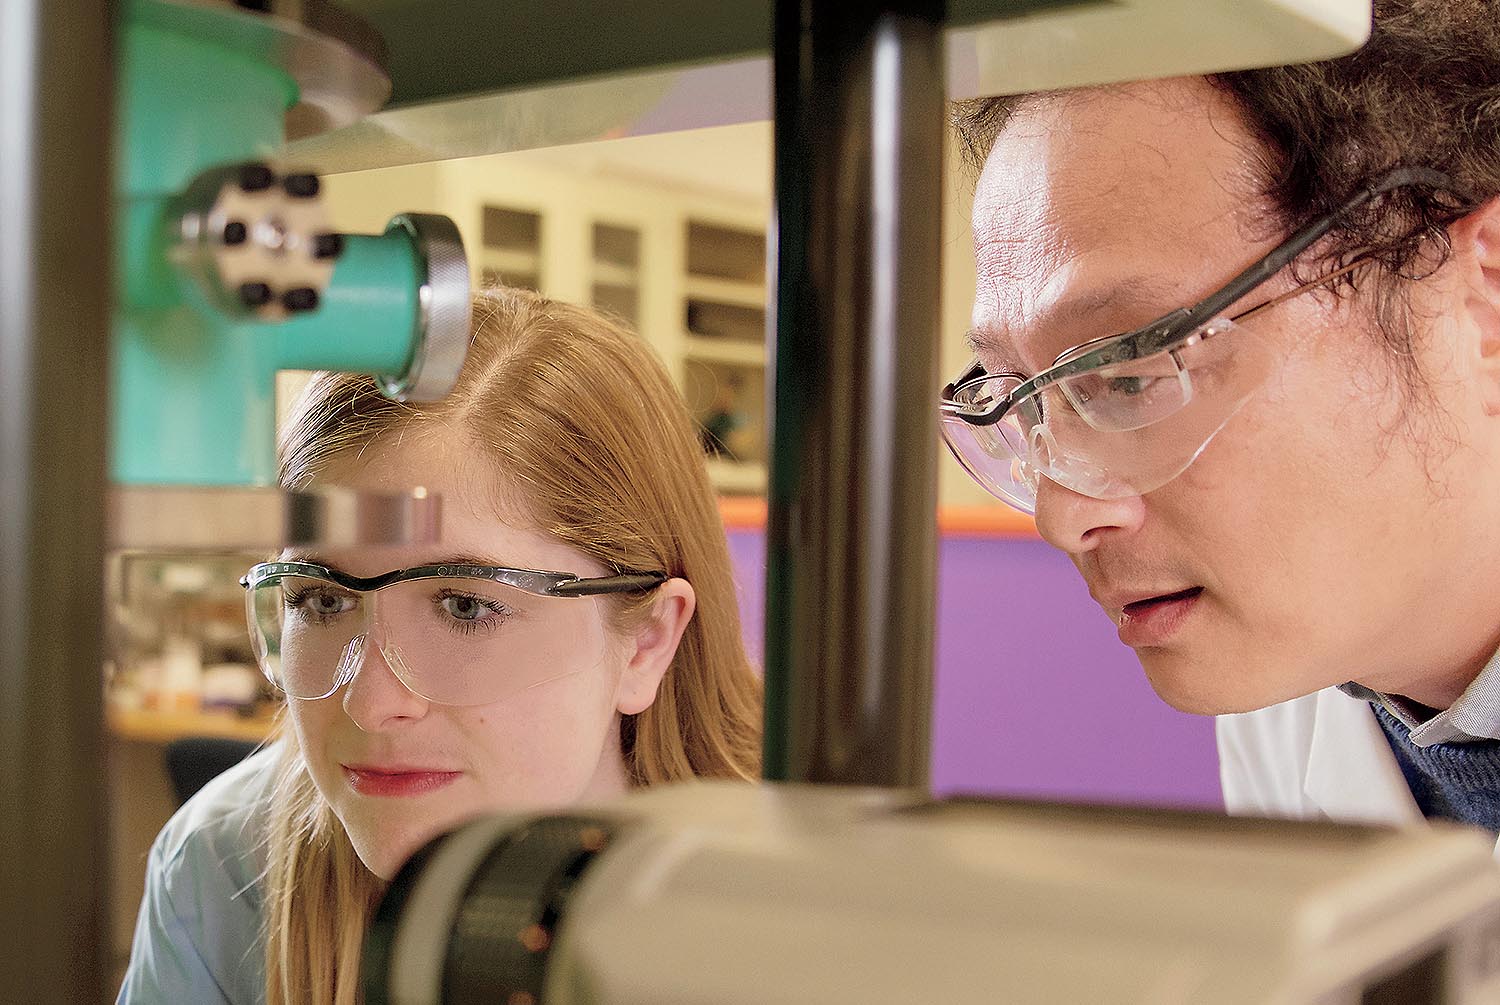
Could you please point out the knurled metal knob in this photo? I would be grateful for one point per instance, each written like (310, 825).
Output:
(444, 309)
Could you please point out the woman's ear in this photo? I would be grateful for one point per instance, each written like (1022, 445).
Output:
(1477, 238)
(654, 645)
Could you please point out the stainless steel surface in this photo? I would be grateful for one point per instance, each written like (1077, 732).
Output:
(446, 310)
(553, 114)
(1101, 42)
(589, 71)
(678, 65)
(443, 49)
(56, 80)
(188, 519)
(333, 56)
(851, 530)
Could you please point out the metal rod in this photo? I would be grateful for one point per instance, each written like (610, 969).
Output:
(236, 518)
(851, 532)
(56, 81)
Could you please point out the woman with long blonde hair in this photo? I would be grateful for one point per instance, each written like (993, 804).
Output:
(574, 634)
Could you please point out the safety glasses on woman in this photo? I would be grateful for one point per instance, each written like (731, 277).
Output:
(453, 634)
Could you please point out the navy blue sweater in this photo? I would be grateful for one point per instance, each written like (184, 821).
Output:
(1450, 781)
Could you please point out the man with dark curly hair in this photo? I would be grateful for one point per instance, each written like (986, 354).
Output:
(1237, 346)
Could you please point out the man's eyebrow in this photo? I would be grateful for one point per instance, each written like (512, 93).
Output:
(1128, 291)
(1125, 292)
(985, 343)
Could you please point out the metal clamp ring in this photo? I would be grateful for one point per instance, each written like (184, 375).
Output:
(444, 313)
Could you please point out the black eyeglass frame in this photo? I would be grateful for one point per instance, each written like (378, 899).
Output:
(1177, 325)
(533, 581)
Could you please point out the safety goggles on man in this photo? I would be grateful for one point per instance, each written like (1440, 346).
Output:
(453, 634)
(1125, 414)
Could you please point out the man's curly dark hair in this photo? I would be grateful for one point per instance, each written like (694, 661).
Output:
(1423, 91)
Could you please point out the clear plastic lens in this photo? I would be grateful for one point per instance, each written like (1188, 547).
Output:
(455, 641)
(1131, 395)
(983, 452)
(1114, 431)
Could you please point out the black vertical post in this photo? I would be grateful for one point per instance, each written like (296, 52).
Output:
(859, 104)
(56, 85)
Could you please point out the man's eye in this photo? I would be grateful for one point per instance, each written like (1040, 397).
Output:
(1112, 387)
(1130, 385)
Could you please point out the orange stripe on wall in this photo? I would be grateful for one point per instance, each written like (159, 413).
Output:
(743, 512)
(984, 521)
(749, 513)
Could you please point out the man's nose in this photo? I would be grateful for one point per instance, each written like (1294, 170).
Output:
(1076, 523)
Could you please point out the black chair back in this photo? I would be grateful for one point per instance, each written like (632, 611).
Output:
(193, 760)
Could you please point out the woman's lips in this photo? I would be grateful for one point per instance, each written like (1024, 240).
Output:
(395, 782)
(1153, 622)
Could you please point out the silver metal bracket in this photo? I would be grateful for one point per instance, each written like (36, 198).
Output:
(211, 519)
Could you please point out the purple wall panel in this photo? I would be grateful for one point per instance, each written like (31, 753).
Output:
(1035, 695)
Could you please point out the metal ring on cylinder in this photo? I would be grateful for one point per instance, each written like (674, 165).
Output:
(444, 311)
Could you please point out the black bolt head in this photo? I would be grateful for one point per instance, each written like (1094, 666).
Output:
(255, 294)
(301, 186)
(302, 298)
(256, 177)
(257, 6)
(328, 245)
(235, 232)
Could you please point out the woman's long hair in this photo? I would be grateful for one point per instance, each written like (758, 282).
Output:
(579, 417)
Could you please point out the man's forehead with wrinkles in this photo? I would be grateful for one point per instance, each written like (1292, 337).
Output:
(1103, 209)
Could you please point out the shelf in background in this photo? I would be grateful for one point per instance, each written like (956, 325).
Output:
(737, 477)
(614, 274)
(738, 292)
(727, 252)
(155, 726)
(509, 261)
(718, 349)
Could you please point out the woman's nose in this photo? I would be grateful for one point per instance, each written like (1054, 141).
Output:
(375, 697)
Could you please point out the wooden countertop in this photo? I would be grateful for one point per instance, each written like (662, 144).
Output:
(155, 726)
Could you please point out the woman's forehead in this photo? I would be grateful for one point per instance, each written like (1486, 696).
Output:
(461, 543)
(485, 519)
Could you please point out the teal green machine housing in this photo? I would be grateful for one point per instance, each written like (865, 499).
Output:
(225, 269)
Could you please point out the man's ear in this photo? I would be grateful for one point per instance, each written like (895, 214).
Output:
(1476, 242)
(654, 645)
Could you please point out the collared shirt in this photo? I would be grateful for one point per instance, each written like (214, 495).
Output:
(1475, 716)
(198, 936)
(1450, 781)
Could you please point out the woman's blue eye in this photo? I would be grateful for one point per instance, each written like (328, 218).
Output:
(327, 603)
(467, 612)
(464, 608)
(320, 604)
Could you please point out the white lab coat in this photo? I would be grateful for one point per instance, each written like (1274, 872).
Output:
(1319, 757)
